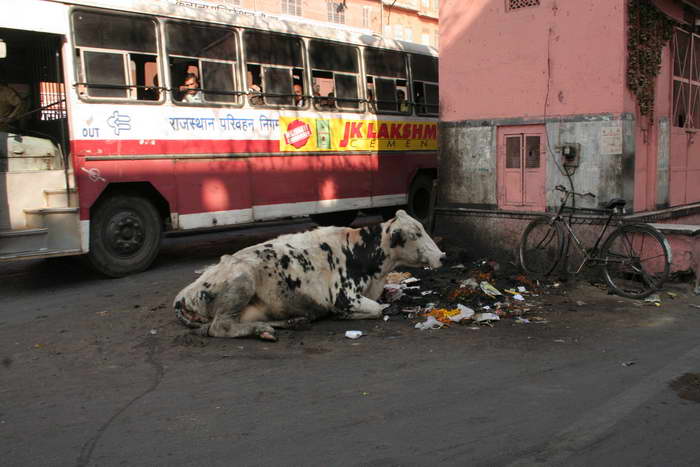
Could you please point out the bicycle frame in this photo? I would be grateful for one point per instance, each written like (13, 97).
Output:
(590, 254)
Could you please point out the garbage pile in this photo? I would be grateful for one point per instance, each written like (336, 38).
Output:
(462, 296)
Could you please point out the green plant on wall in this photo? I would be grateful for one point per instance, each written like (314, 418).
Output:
(649, 30)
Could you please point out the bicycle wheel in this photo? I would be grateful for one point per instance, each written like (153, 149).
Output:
(636, 260)
(541, 246)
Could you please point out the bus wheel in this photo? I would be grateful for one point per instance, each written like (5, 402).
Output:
(125, 234)
(340, 218)
(419, 198)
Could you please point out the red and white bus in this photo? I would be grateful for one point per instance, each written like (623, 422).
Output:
(143, 117)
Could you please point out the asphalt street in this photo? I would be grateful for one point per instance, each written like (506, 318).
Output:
(98, 372)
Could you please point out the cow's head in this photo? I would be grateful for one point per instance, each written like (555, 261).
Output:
(192, 302)
(410, 244)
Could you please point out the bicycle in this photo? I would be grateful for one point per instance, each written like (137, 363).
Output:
(636, 257)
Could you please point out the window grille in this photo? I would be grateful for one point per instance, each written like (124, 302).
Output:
(291, 7)
(686, 80)
(365, 17)
(336, 12)
(516, 4)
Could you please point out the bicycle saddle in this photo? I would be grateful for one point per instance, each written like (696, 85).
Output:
(615, 203)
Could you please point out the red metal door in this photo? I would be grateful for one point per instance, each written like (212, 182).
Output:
(521, 168)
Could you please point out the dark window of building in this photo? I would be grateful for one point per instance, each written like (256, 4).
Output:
(517, 4)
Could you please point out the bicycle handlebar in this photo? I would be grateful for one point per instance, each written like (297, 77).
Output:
(564, 190)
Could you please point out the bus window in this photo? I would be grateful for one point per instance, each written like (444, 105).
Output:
(425, 84)
(275, 64)
(335, 67)
(113, 52)
(386, 77)
(208, 53)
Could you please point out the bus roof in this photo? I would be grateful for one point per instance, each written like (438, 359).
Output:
(220, 13)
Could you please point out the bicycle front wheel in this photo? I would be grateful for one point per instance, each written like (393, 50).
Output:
(636, 260)
(541, 246)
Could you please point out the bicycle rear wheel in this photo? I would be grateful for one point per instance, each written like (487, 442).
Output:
(636, 259)
(541, 246)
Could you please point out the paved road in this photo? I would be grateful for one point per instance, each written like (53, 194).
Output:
(98, 372)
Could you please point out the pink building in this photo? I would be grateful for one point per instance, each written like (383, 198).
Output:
(522, 82)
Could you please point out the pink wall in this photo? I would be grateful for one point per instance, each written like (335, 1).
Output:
(483, 75)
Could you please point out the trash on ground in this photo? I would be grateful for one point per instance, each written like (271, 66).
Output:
(580, 302)
(386, 317)
(469, 283)
(653, 299)
(672, 294)
(458, 266)
(353, 334)
(521, 320)
(489, 290)
(397, 277)
(694, 306)
(486, 317)
(522, 289)
(519, 297)
(560, 341)
(630, 363)
(463, 312)
(430, 323)
(153, 332)
(410, 280)
(427, 292)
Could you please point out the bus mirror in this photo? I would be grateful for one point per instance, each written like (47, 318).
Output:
(3, 49)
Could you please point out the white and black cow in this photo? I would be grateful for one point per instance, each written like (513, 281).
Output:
(329, 271)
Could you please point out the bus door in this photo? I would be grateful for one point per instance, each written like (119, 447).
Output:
(38, 209)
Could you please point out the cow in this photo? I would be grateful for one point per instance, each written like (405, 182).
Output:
(297, 278)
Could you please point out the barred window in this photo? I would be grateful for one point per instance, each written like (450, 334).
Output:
(517, 4)
(291, 7)
(336, 12)
(686, 79)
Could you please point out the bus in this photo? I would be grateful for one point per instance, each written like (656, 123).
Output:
(123, 120)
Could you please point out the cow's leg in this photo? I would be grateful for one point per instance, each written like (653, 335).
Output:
(230, 306)
(292, 323)
(366, 309)
(233, 329)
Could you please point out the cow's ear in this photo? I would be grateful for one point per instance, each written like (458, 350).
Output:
(401, 213)
(397, 238)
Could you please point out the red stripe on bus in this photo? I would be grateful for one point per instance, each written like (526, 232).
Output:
(131, 147)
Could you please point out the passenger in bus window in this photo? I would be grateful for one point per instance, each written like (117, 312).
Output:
(331, 100)
(298, 95)
(152, 93)
(254, 90)
(191, 90)
(403, 103)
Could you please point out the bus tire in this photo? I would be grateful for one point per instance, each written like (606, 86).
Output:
(339, 219)
(419, 197)
(125, 235)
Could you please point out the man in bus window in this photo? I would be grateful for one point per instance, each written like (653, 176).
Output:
(152, 93)
(191, 90)
(298, 95)
(254, 90)
(401, 98)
